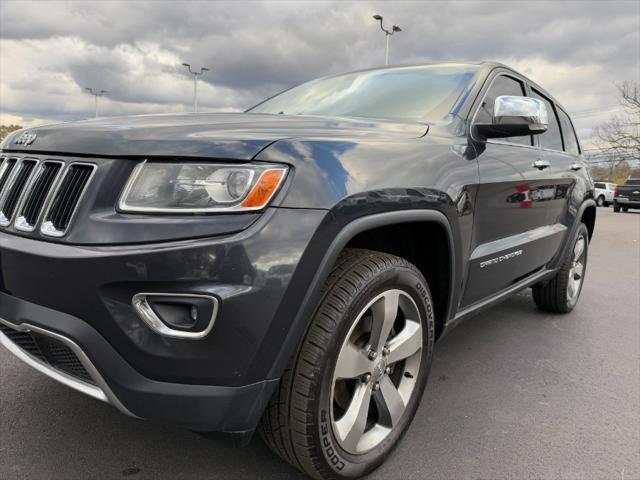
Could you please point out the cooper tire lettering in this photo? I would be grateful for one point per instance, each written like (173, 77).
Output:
(329, 451)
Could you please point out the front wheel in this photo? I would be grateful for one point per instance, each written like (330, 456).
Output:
(354, 385)
(561, 293)
(616, 208)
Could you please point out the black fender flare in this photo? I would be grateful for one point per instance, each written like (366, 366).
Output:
(311, 300)
(572, 231)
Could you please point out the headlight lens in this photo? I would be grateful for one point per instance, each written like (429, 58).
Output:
(200, 187)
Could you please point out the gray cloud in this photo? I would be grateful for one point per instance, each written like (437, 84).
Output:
(50, 51)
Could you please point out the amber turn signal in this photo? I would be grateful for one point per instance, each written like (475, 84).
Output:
(264, 188)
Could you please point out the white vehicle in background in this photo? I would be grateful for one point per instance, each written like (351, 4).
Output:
(604, 193)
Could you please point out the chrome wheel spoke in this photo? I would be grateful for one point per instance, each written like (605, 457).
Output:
(405, 343)
(578, 270)
(390, 404)
(576, 274)
(352, 362)
(369, 354)
(350, 427)
(578, 250)
(384, 311)
(571, 288)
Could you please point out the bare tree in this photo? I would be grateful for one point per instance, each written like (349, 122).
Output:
(618, 139)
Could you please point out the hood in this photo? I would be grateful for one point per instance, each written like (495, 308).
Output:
(238, 136)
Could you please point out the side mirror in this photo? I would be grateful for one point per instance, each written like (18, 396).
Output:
(515, 117)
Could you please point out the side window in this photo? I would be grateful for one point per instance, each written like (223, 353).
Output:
(568, 133)
(599, 185)
(550, 139)
(501, 85)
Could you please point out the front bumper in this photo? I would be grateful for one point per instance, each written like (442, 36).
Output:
(113, 380)
(81, 297)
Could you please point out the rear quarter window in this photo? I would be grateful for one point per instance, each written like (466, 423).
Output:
(551, 139)
(568, 134)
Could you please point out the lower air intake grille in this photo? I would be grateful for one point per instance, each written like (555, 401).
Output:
(66, 199)
(50, 351)
(24, 340)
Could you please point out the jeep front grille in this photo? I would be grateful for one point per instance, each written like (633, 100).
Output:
(35, 199)
(66, 199)
(46, 192)
(6, 167)
(14, 188)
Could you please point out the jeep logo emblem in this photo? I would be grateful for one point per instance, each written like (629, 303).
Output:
(27, 138)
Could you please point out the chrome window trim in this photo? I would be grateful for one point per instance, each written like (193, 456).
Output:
(4, 221)
(149, 316)
(124, 208)
(100, 391)
(20, 223)
(46, 227)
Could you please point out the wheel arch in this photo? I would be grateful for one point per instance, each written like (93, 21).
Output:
(342, 239)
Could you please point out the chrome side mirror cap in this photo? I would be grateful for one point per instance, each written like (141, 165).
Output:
(515, 116)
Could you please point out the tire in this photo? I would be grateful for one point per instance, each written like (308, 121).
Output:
(307, 420)
(562, 292)
(625, 209)
(616, 208)
(600, 201)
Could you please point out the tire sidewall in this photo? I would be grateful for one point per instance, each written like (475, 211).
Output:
(339, 461)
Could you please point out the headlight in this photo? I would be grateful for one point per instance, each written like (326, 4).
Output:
(200, 187)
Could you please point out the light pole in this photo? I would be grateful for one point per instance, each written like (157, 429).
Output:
(96, 94)
(195, 83)
(387, 34)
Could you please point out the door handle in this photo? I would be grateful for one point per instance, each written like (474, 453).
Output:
(541, 164)
(575, 167)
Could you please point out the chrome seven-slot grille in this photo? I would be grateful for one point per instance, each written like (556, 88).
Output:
(43, 193)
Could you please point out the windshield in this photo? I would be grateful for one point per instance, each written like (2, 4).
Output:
(407, 93)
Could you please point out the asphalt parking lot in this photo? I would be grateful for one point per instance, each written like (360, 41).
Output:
(514, 393)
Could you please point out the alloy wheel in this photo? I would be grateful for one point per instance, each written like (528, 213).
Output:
(376, 371)
(576, 273)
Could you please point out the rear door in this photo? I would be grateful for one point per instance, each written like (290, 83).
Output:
(560, 151)
(511, 233)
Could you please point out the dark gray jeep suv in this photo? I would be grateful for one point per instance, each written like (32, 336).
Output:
(288, 269)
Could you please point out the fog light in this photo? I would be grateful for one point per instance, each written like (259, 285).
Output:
(177, 315)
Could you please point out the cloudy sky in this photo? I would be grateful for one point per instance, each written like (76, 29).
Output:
(50, 51)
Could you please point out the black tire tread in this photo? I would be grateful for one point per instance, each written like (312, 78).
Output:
(552, 295)
(288, 420)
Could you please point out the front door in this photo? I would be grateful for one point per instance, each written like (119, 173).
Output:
(512, 236)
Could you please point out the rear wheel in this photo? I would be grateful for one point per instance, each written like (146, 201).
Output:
(600, 201)
(625, 209)
(561, 293)
(354, 385)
